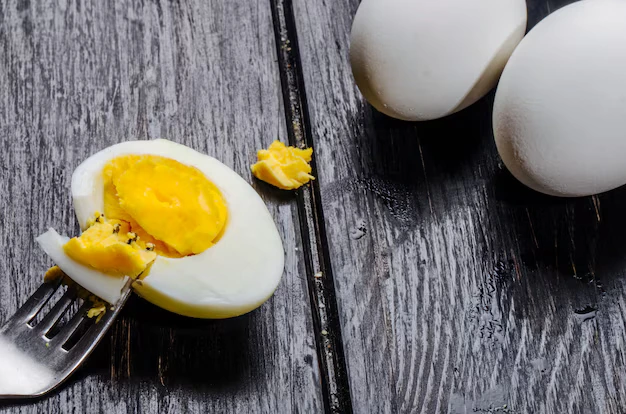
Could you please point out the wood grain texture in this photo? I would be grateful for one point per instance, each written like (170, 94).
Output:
(459, 290)
(77, 76)
(334, 376)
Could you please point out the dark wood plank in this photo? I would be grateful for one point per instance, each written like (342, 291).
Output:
(459, 290)
(334, 376)
(78, 76)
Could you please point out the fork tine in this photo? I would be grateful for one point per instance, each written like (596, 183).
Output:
(34, 304)
(96, 331)
(52, 318)
(68, 330)
(49, 366)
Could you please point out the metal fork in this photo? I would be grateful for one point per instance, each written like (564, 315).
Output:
(32, 363)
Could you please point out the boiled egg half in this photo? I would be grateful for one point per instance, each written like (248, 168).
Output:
(195, 236)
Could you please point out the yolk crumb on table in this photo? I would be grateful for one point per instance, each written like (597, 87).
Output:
(284, 167)
(152, 206)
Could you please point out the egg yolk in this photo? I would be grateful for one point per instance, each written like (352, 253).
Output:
(152, 206)
(53, 273)
(284, 167)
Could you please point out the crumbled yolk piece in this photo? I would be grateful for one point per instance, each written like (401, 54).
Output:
(153, 206)
(98, 307)
(97, 311)
(53, 273)
(284, 167)
(110, 247)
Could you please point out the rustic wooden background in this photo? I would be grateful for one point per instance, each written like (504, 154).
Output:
(446, 286)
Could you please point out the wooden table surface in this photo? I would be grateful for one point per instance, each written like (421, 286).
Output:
(446, 286)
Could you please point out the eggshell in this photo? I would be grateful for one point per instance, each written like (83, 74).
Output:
(418, 60)
(560, 109)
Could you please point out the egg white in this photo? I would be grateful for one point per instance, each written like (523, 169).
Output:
(560, 109)
(419, 60)
(235, 276)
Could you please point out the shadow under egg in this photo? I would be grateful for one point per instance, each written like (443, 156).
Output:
(176, 351)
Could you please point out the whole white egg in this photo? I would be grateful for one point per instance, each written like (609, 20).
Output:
(419, 60)
(560, 109)
(230, 278)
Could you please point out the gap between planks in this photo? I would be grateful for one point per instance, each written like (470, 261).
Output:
(319, 275)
